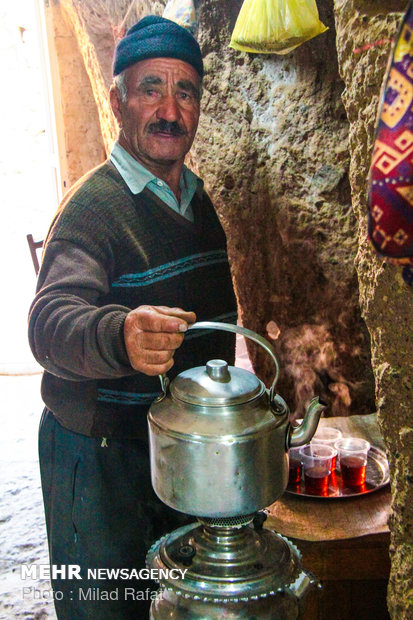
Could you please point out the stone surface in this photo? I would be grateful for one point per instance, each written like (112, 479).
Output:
(78, 130)
(386, 302)
(272, 148)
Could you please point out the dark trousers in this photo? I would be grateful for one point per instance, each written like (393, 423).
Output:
(101, 513)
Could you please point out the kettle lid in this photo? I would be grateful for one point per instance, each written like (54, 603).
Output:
(216, 384)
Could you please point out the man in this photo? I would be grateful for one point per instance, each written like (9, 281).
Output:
(134, 255)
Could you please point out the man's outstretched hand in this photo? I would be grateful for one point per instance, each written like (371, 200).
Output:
(152, 334)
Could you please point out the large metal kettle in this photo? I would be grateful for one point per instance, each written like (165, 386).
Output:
(219, 439)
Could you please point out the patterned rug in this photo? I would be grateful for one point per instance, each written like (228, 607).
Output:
(391, 174)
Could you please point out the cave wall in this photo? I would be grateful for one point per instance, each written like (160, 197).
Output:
(364, 33)
(79, 132)
(286, 164)
(272, 147)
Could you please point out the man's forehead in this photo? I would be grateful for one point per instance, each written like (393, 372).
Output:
(164, 67)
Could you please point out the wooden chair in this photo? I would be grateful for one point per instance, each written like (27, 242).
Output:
(34, 246)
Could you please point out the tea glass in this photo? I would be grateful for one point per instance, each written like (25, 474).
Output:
(328, 435)
(352, 456)
(295, 465)
(317, 465)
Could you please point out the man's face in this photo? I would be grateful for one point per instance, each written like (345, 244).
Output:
(158, 121)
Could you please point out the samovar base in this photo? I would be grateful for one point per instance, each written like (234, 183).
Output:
(230, 573)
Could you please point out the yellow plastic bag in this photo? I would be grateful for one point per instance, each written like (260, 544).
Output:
(275, 26)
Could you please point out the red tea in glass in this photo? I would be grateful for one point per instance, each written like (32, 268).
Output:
(328, 436)
(295, 471)
(353, 455)
(316, 459)
(353, 470)
(316, 480)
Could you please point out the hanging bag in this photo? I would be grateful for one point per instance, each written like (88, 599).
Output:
(275, 26)
(391, 173)
(181, 12)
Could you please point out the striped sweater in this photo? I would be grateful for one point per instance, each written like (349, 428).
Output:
(109, 251)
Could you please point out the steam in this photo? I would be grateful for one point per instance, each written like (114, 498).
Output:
(311, 362)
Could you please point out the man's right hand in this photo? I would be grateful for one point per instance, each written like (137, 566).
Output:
(152, 334)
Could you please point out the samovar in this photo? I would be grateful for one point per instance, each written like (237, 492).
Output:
(219, 451)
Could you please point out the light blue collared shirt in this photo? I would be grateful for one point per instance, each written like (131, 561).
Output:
(137, 177)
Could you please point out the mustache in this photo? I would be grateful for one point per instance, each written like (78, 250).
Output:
(167, 127)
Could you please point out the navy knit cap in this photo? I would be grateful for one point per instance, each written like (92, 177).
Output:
(157, 37)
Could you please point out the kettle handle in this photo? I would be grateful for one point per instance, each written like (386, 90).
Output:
(248, 333)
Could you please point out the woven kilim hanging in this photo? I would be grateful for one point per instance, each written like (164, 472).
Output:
(391, 174)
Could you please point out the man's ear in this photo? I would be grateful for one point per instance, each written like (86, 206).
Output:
(116, 104)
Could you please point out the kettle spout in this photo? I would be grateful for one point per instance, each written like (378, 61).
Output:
(304, 433)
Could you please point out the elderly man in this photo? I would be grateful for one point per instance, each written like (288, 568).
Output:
(134, 255)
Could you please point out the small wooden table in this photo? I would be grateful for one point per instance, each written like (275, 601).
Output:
(344, 542)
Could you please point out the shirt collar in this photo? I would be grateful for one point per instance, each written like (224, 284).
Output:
(137, 177)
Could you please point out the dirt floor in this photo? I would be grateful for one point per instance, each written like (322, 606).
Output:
(28, 201)
(22, 529)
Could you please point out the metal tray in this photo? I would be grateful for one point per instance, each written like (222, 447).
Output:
(377, 476)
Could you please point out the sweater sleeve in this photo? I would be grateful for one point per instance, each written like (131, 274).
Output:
(69, 334)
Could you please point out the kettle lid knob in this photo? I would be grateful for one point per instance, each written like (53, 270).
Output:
(218, 370)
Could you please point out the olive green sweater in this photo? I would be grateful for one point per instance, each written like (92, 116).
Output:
(109, 251)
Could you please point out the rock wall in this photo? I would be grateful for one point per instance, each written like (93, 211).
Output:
(364, 32)
(275, 146)
(272, 147)
(78, 129)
